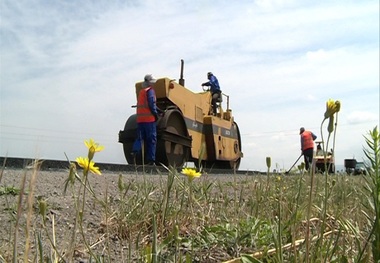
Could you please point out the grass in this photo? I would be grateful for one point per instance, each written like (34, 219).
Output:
(261, 218)
(9, 190)
(156, 225)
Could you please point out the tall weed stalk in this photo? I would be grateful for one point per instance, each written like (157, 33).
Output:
(372, 188)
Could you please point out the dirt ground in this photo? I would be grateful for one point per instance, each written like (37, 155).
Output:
(49, 186)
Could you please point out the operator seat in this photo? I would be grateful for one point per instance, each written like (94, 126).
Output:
(219, 101)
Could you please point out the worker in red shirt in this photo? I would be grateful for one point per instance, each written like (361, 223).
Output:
(146, 120)
(307, 146)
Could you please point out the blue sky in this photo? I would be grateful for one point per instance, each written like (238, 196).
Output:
(68, 69)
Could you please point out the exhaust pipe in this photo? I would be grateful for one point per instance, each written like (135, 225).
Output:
(181, 79)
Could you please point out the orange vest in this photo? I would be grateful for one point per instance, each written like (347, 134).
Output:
(307, 139)
(143, 111)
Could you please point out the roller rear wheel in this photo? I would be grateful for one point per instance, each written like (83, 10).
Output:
(128, 137)
(174, 143)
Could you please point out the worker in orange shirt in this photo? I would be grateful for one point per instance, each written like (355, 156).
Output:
(307, 146)
(146, 120)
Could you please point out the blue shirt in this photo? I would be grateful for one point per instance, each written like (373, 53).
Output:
(213, 84)
(151, 97)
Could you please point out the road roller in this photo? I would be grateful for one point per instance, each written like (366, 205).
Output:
(187, 128)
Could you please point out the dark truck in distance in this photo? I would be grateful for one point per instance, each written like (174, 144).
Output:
(354, 167)
(360, 168)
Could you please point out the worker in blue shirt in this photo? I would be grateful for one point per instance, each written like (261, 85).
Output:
(214, 89)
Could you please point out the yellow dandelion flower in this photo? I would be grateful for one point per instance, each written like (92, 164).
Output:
(331, 108)
(329, 105)
(190, 173)
(88, 165)
(91, 144)
(92, 148)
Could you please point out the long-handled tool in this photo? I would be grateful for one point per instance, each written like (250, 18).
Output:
(294, 164)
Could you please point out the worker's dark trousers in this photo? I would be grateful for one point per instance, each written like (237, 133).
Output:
(146, 131)
(214, 99)
(308, 157)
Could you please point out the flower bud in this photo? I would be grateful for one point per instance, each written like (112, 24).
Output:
(337, 105)
(120, 183)
(176, 232)
(42, 205)
(72, 173)
(91, 153)
(269, 162)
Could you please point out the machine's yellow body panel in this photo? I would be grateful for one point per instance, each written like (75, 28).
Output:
(216, 134)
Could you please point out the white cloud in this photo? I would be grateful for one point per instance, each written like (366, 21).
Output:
(319, 55)
(357, 117)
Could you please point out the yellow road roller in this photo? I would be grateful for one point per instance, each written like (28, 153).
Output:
(188, 130)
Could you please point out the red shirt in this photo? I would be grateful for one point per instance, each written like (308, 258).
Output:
(144, 113)
(307, 140)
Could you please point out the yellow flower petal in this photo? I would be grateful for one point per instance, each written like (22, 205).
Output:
(331, 108)
(191, 173)
(93, 146)
(329, 105)
(88, 165)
